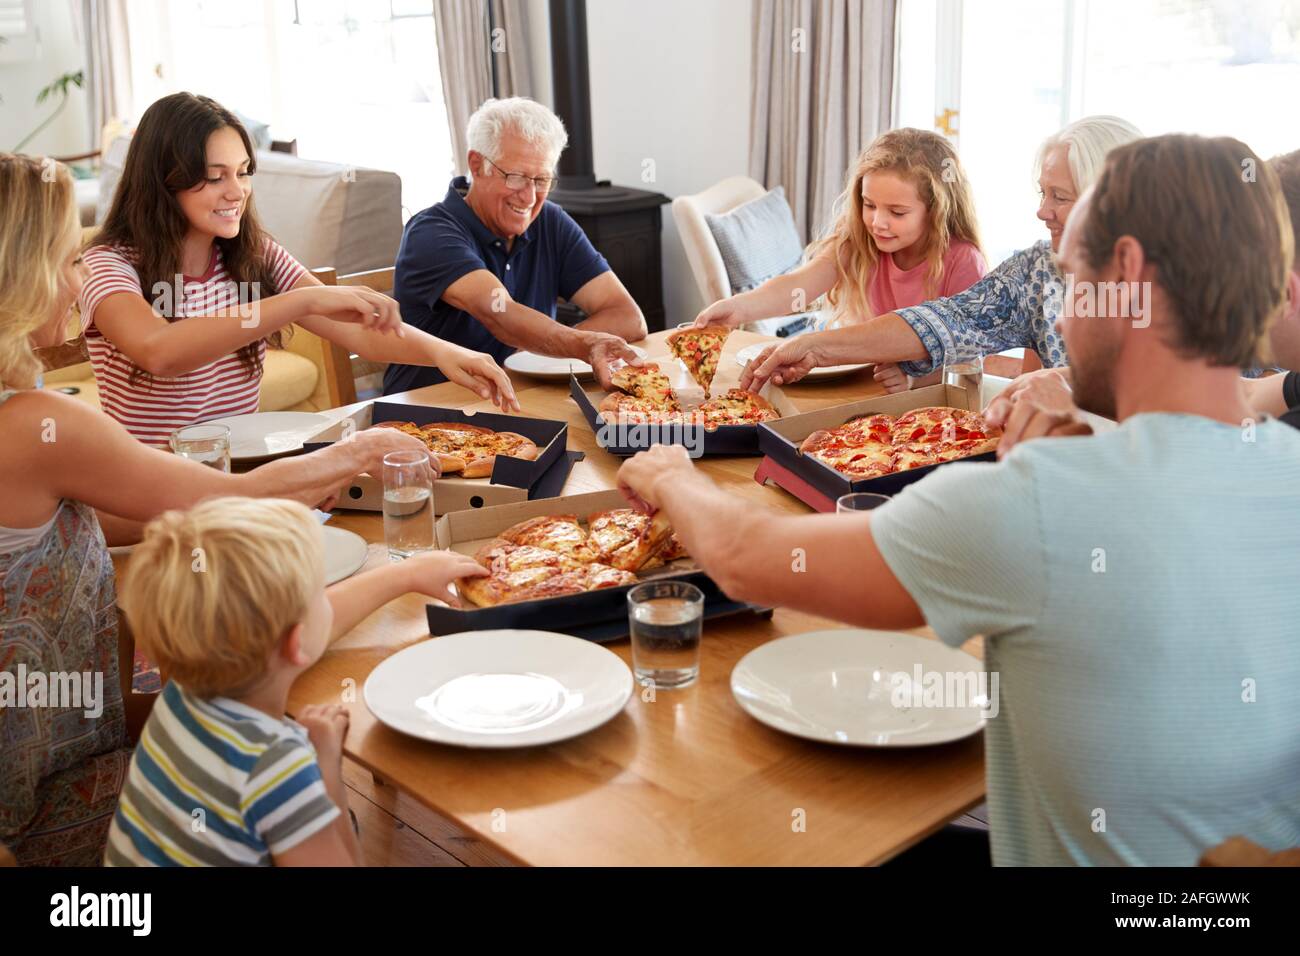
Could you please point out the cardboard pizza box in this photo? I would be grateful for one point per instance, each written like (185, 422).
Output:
(594, 615)
(817, 484)
(512, 479)
(725, 440)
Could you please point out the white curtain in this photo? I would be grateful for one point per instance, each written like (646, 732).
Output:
(822, 85)
(107, 48)
(470, 42)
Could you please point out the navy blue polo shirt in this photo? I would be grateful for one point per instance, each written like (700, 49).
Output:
(552, 259)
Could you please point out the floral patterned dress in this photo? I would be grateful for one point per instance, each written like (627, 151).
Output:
(60, 770)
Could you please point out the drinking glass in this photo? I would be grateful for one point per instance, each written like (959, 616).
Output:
(859, 501)
(666, 620)
(408, 504)
(207, 444)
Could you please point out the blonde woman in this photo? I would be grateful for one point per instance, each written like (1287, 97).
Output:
(1013, 306)
(75, 481)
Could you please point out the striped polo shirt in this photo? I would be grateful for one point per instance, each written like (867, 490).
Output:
(1137, 593)
(217, 783)
(150, 408)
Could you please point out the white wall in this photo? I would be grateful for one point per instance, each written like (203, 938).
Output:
(670, 81)
(60, 51)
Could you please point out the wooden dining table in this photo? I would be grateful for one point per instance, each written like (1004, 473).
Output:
(679, 777)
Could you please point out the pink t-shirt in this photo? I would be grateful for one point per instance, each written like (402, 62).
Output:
(150, 408)
(893, 288)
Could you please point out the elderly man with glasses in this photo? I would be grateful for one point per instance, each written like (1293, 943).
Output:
(484, 267)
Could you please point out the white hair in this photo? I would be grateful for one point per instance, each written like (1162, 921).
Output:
(526, 118)
(1087, 141)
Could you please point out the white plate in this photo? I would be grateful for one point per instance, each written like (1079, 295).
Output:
(345, 553)
(839, 687)
(744, 355)
(270, 434)
(551, 367)
(499, 688)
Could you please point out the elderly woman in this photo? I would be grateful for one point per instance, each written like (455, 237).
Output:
(484, 267)
(1011, 307)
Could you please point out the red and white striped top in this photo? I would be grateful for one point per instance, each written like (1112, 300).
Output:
(151, 408)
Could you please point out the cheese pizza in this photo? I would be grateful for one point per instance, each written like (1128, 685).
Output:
(553, 555)
(468, 450)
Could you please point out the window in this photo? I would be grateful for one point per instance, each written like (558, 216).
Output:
(353, 81)
(1024, 68)
(17, 31)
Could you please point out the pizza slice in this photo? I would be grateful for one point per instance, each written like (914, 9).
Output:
(915, 455)
(645, 381)
(737, 407)
(449, 462)
(699, 350)
(628, 539)
(560, 533)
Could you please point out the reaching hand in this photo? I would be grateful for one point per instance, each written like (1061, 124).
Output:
(605, 350)
(355, 304)
(725, 313)
(480, 373)
(893, 378)
(783, 364)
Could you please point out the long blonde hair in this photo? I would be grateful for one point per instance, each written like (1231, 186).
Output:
(927, 161)
(40, 219)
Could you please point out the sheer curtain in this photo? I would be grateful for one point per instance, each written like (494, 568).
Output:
(472, 41)
(104, 35)
(822, 88)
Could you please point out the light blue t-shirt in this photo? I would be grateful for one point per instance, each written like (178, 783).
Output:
(1139, 592)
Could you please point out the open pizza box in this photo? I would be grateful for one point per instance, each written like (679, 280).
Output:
(724, 440)
(594, 615)
(817, 484)
(512, 479)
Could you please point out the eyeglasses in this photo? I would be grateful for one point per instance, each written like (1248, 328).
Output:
(519, 180)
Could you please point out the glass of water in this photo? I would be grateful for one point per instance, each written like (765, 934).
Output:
(965, 370)
(859, 501)
(666, 619)
(207, 444)
(408, 504)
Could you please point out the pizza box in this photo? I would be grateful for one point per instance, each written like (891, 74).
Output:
(725, 440)
(817, 484)
(512, 479)
(630, 439)
(599, 616)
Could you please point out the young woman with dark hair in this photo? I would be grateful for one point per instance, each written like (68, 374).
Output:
(182, 242)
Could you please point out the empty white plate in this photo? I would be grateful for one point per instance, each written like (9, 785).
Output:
(499, 688)
(743, 357)
(345, 553)
(864, 688)
(551, 367)
(270, 434)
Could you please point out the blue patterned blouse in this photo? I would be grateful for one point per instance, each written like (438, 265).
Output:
(1016, 305)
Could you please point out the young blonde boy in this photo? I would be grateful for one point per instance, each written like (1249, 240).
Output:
(229, 598)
